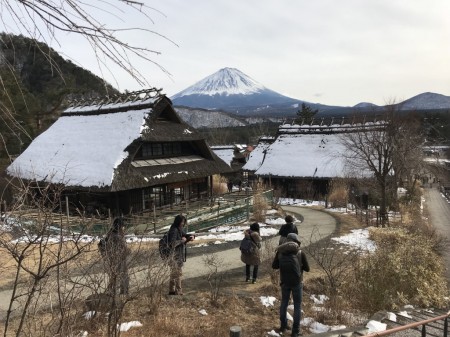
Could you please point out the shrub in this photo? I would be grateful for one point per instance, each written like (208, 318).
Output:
(259, 207)
(219, 185)
(338, 193)
(403, 270)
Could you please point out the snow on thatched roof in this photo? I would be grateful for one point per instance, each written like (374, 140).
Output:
(307, 151)
(256, 157)
(224, 152)
(88, 144)
(80, 150)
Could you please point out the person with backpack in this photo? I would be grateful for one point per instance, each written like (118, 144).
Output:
(287, 228)
(114, 251)
(251, 256)
(291, 262)
(177, 239)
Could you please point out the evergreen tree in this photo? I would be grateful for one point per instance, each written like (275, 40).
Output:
(306, 114)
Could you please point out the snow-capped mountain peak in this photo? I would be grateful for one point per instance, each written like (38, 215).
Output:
(225, 82)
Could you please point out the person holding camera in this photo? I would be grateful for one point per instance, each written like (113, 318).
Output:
(177, 239)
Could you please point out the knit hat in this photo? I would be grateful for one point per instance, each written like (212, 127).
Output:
(254, 227)
(293, 237)
(289, 218)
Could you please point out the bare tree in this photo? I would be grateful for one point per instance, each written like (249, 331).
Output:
(388, 149)
(408, 163)
(43, 20)
(34, 252)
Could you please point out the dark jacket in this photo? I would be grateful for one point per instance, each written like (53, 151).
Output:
(285, 230)
(116, 250)
(283, 251)
(253, 259)
(177, 244)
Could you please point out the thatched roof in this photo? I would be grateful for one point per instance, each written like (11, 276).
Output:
(307, 151)
(94, 145)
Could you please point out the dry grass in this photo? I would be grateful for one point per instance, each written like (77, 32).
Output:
(238, 303)
(338, 196)
(179, 316)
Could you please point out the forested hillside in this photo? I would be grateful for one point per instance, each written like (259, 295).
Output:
(35, 83)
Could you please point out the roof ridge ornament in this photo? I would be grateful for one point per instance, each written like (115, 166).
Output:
(330, 125)
(127, 96)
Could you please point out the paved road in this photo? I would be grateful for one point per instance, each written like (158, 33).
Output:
(439, 211)
(315, 226)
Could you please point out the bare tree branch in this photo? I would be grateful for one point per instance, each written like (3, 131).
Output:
(74, 17)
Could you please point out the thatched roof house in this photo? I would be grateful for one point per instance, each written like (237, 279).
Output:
(257, 156)
(302, 159)
(135, 150)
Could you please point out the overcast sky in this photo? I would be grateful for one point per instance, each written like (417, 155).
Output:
(322, 51)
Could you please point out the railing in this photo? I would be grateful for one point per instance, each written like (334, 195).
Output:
(414, 325)
(201, 215)
(225, 212)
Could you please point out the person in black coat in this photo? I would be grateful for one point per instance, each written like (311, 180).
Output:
(291, 262)
(230, 186)
(177, 240)
(287, 228)
(115, 257)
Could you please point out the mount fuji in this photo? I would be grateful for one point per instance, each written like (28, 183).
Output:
(231, 90)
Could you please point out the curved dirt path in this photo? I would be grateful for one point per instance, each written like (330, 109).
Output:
(315, 226)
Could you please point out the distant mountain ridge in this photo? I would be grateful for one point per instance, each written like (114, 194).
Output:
(231, 90)
(426, 101)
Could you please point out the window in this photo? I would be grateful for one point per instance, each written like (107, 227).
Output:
(157, 149)
(146, 151)
(176, 148)
(166, 149)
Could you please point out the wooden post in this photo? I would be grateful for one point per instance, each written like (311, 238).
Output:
(3, 207)
(235, 331)
(67, 209)
(154, 218)
(247, 201)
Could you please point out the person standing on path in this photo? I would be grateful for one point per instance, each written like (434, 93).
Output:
(287, 228)
(291, 262)
(230, 186)
(254, 257)
(177, 239)
(115, 255)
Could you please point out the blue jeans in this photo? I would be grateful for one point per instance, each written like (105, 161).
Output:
(297, 298)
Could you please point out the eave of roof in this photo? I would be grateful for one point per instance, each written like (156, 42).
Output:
(131, 177)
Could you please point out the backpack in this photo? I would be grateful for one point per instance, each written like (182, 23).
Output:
(246, 246)
(164, 247)
(290, 265)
